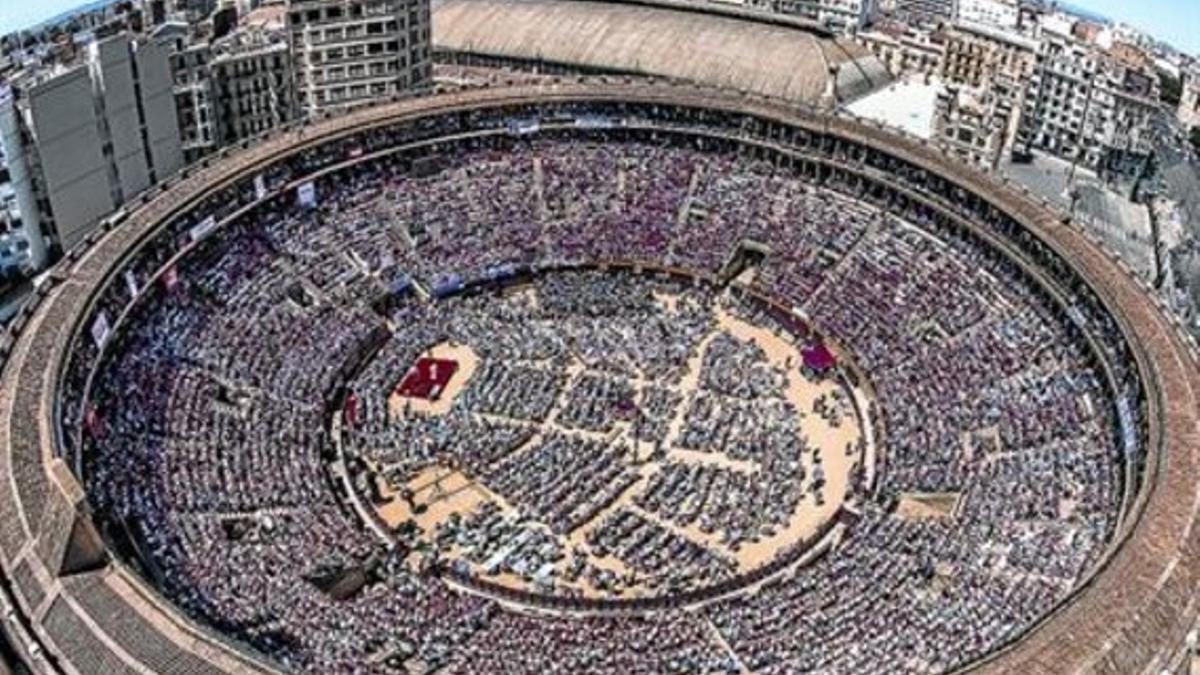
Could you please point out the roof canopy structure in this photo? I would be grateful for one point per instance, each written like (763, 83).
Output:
(714, 48)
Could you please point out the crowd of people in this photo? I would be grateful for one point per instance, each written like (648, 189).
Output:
(564, 481)
(214, 409)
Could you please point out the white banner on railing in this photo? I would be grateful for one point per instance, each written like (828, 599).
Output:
(207, 225)
(1127, 421)
(306, 194)
(100, 329)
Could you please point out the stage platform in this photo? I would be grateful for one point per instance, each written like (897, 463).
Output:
(434, 381)
(427, 378)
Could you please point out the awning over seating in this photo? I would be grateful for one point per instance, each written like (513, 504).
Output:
(768, 55)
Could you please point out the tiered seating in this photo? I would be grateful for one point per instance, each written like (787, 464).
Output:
(211, 418)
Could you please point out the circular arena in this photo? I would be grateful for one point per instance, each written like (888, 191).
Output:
(596, 377)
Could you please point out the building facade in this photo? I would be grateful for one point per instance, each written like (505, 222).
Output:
(1189, 103)
(1057, 100)
(80, 140)
(1123, 107)
(906, 53)
(1088, 105)
(999, 13)
(925, 13)
(973, 125)
(233, 87)
(24, 247)
(839, 16)
(985, 70)
(354, 52)
(192, 78)
(978, 55)
(253, 82)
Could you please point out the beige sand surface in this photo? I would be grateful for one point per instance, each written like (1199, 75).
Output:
(443, 491)
(817, 431)
(446, 491)
(927, 505)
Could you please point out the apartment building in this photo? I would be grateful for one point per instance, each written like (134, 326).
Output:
(192, 87)
(1057, 100)
(24, 243)
(926, 14)
(979, 55)
(253, 76)
(355, 52)
(81, 139)
(972, 125)
(984, 69)
(1125, 102)
(1088, 105)
(233, 87)
(253, 82)
(904, 51)
(839, 16)
(1003, 14)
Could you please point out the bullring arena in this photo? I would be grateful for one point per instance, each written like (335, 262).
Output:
(596, 377)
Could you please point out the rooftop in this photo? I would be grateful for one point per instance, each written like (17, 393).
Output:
(905, 105)
(712, 48)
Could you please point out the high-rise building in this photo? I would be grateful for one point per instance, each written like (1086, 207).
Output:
(232, 87)
(1090, 106)
(22, 247)
(353, 52)
(1058, 97)
(253, 84)
(192, 88)
(81, 139)
(1126, 101)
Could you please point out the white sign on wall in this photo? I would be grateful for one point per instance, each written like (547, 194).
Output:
(306, 194)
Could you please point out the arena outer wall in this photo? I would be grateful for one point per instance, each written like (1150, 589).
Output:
(1132, 616)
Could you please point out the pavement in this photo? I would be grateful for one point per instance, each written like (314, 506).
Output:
(1123, 224)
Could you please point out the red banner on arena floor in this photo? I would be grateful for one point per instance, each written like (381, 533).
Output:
(350, 411)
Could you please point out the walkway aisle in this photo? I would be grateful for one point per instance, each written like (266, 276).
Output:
(724, 644)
